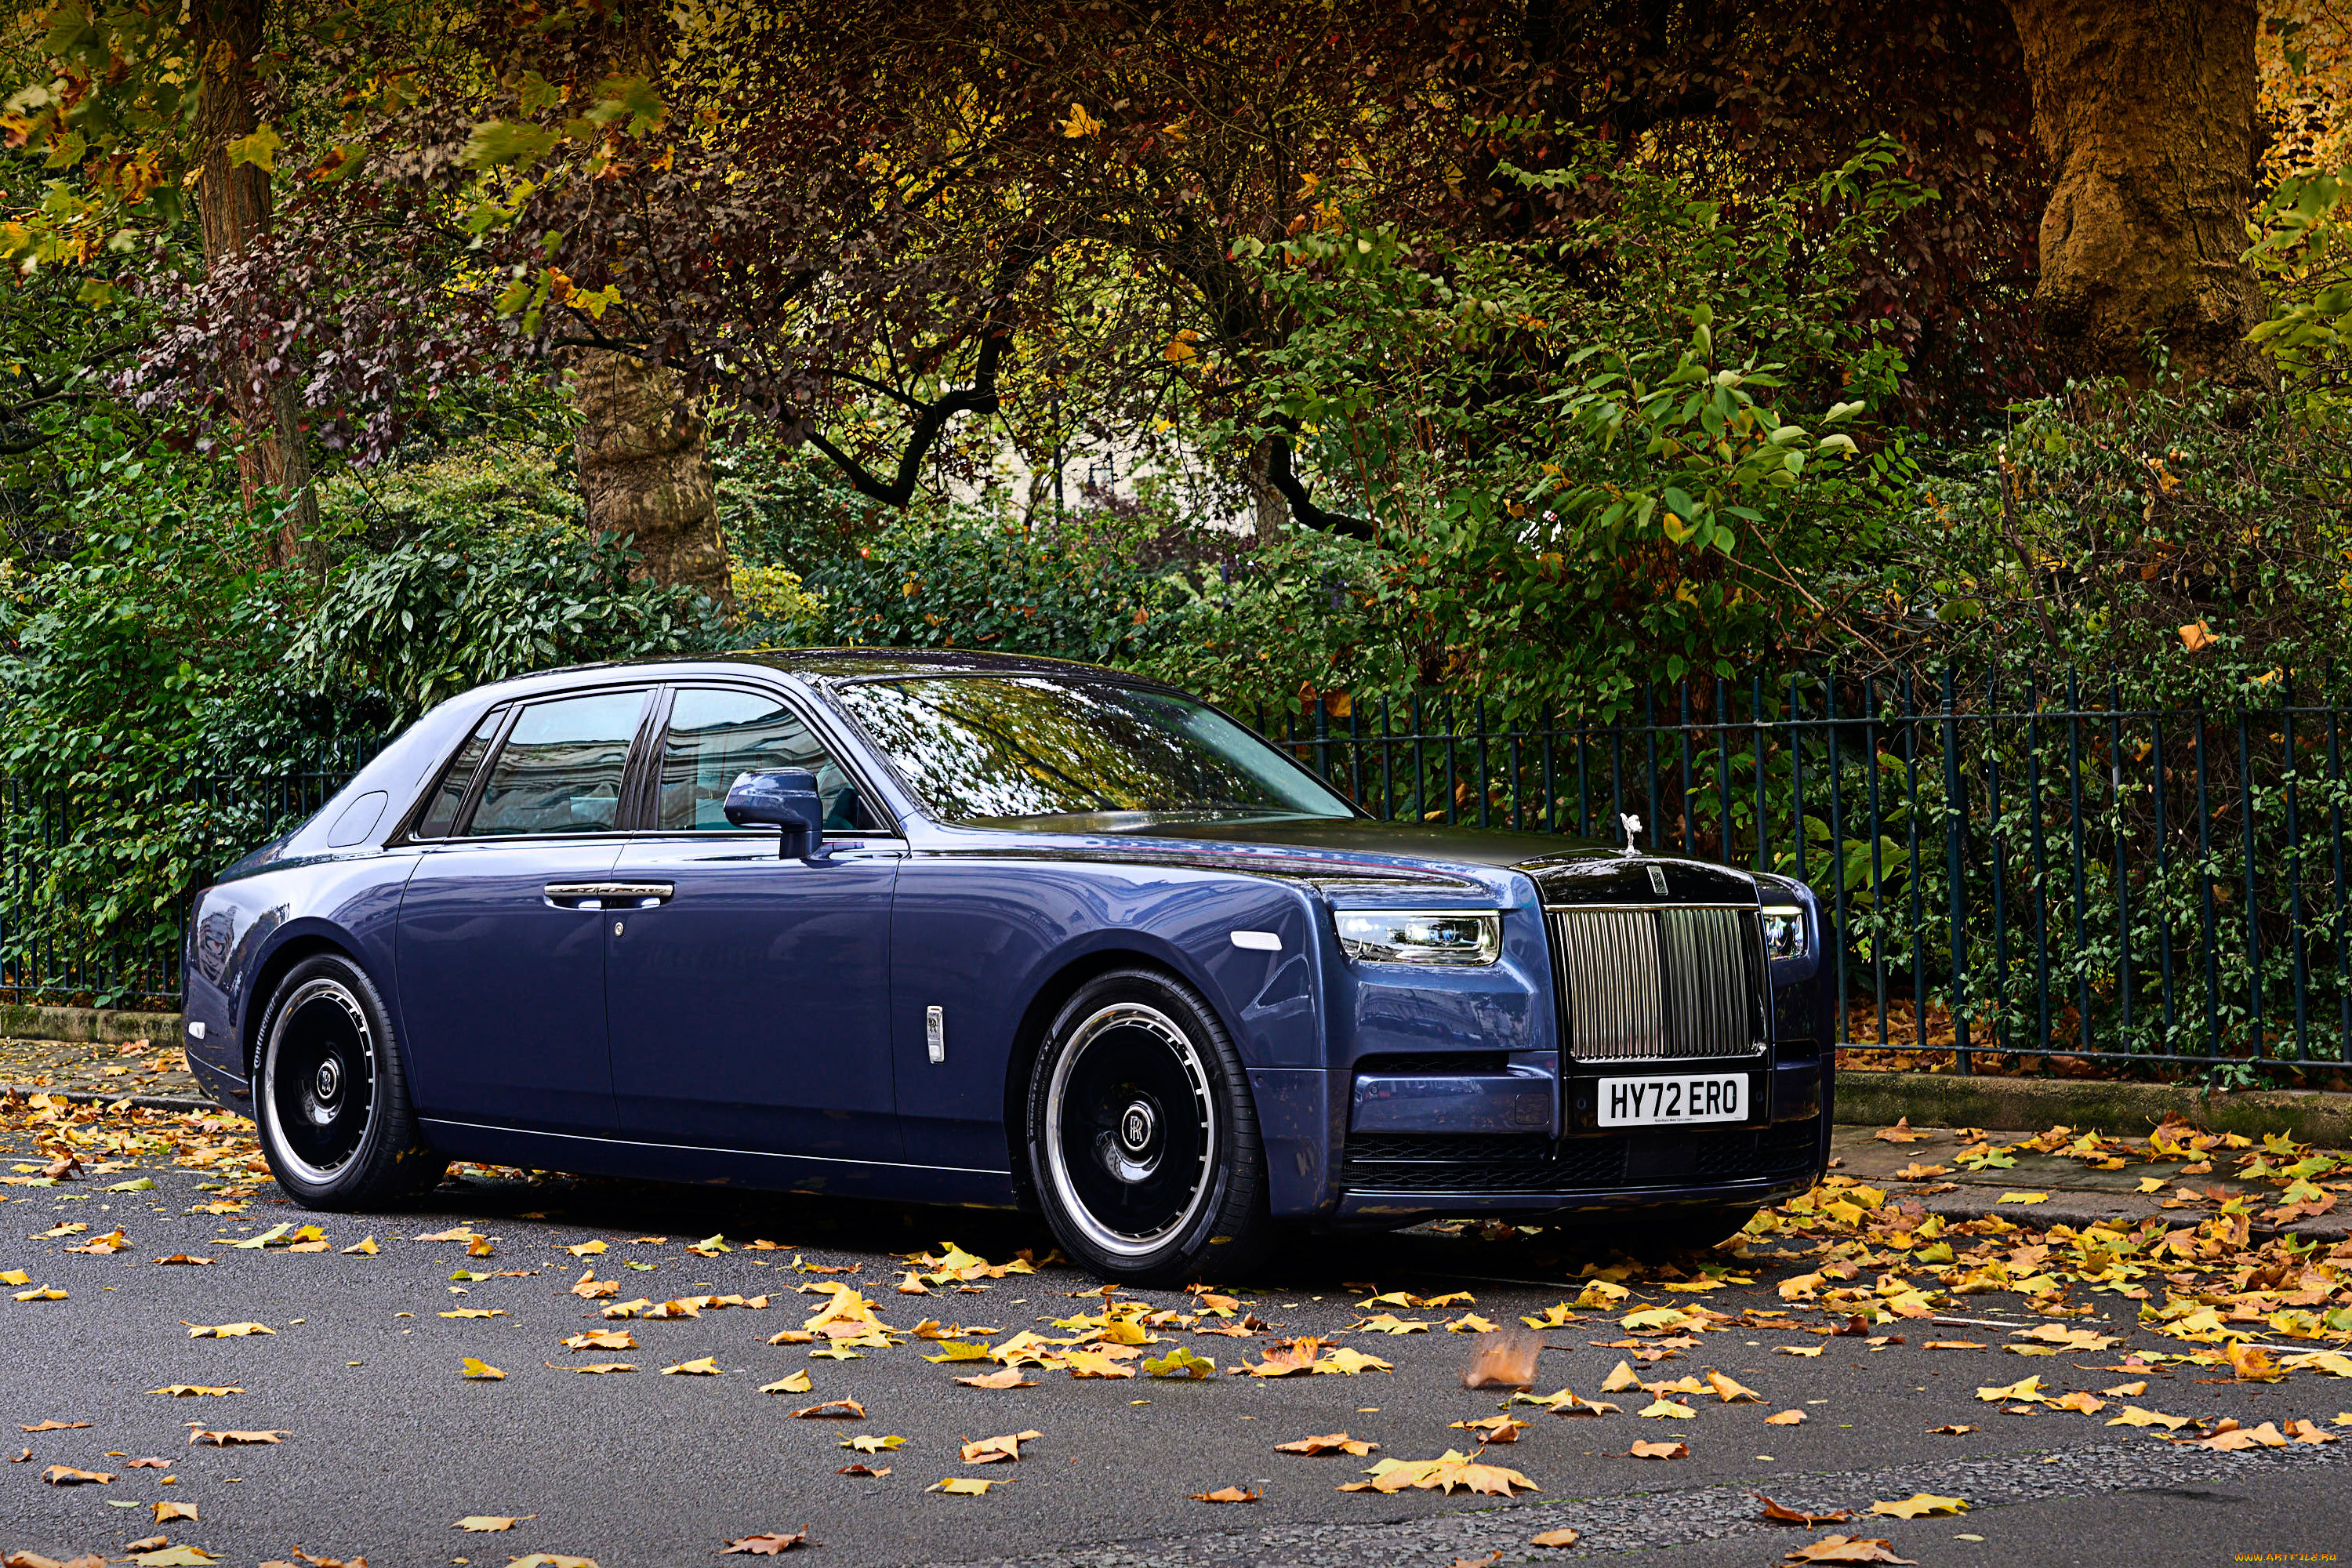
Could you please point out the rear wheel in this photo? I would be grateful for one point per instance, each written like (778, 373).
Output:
(330, 1096)
(1143, 1143)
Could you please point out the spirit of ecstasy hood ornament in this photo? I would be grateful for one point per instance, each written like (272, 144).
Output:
(1632, 825)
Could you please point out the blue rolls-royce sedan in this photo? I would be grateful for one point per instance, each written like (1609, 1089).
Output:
(959, 927)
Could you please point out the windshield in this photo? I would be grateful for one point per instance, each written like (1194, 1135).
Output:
(1020, 748)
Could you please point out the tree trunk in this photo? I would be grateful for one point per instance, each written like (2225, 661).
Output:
(232, 206)
(1269, 510)
(645, 469)
(2146, 109)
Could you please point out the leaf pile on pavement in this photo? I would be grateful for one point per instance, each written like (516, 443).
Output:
(2208, 1287)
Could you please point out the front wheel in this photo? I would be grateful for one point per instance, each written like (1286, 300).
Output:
(330, 1096)
(1143, 1143)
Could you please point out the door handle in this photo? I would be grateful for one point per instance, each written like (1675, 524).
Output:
(608, 895)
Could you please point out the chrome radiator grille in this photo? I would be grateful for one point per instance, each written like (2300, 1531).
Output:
(1657, 985)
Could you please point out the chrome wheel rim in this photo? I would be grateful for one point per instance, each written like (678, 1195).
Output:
(1130, 1128)
(318, 1079)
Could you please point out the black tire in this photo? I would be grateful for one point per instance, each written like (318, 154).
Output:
(1143, 1143)
(329, 1095)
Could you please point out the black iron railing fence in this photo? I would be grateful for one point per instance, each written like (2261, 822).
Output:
(2026, 868)
(2020, 869)
(95, 884)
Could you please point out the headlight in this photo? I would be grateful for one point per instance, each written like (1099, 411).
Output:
(1418, 937)
(1784, 934)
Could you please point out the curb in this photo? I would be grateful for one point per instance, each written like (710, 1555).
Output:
(87, 1096)
(105, 1025)
(2026, 1104)
(2080, 1210)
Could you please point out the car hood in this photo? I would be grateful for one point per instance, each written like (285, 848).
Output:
(1368, 836)
(1566, 870)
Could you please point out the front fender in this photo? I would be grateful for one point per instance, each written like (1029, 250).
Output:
(992, 939)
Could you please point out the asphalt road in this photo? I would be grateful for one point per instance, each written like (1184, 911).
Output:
(386, 1443)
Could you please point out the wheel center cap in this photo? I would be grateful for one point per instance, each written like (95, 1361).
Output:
(329, 1080)
(1136, 1126)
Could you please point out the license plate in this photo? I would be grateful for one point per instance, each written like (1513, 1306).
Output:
(1672, 1101)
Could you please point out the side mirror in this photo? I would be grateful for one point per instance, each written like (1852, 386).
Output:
(784, 799)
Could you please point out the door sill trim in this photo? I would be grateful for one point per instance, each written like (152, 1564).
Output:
(429, 1124)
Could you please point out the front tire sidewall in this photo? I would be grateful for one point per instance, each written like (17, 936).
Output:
(388, 1154)
(1227, 1224)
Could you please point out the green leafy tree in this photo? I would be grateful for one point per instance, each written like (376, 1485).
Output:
(1597, 459)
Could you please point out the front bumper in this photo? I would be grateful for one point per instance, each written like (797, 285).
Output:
(226, 1090)
(1386, 1210)
(1384, 1177)
(1437, 1163)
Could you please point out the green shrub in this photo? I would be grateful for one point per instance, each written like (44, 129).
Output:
(136, 673)
(482, 485)
(398, 632)
(170, 702)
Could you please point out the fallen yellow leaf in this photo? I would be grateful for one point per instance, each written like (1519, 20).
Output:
(1921, 1505)
(1838, 1549)
(990, 1450)
(1731, 1391)
(2133, 1416)
(1621, 1378)
(1009, 1377)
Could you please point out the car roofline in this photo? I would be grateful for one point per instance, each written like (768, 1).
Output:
(848, 666)
(884, 664)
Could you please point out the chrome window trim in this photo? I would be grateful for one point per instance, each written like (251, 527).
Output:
(461, 826)
(857, 759)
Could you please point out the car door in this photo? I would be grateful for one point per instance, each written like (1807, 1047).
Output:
(502, 928)
(749, 1002)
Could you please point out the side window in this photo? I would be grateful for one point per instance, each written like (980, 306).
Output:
(438, 816)
(717, 734)
(560, 770)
